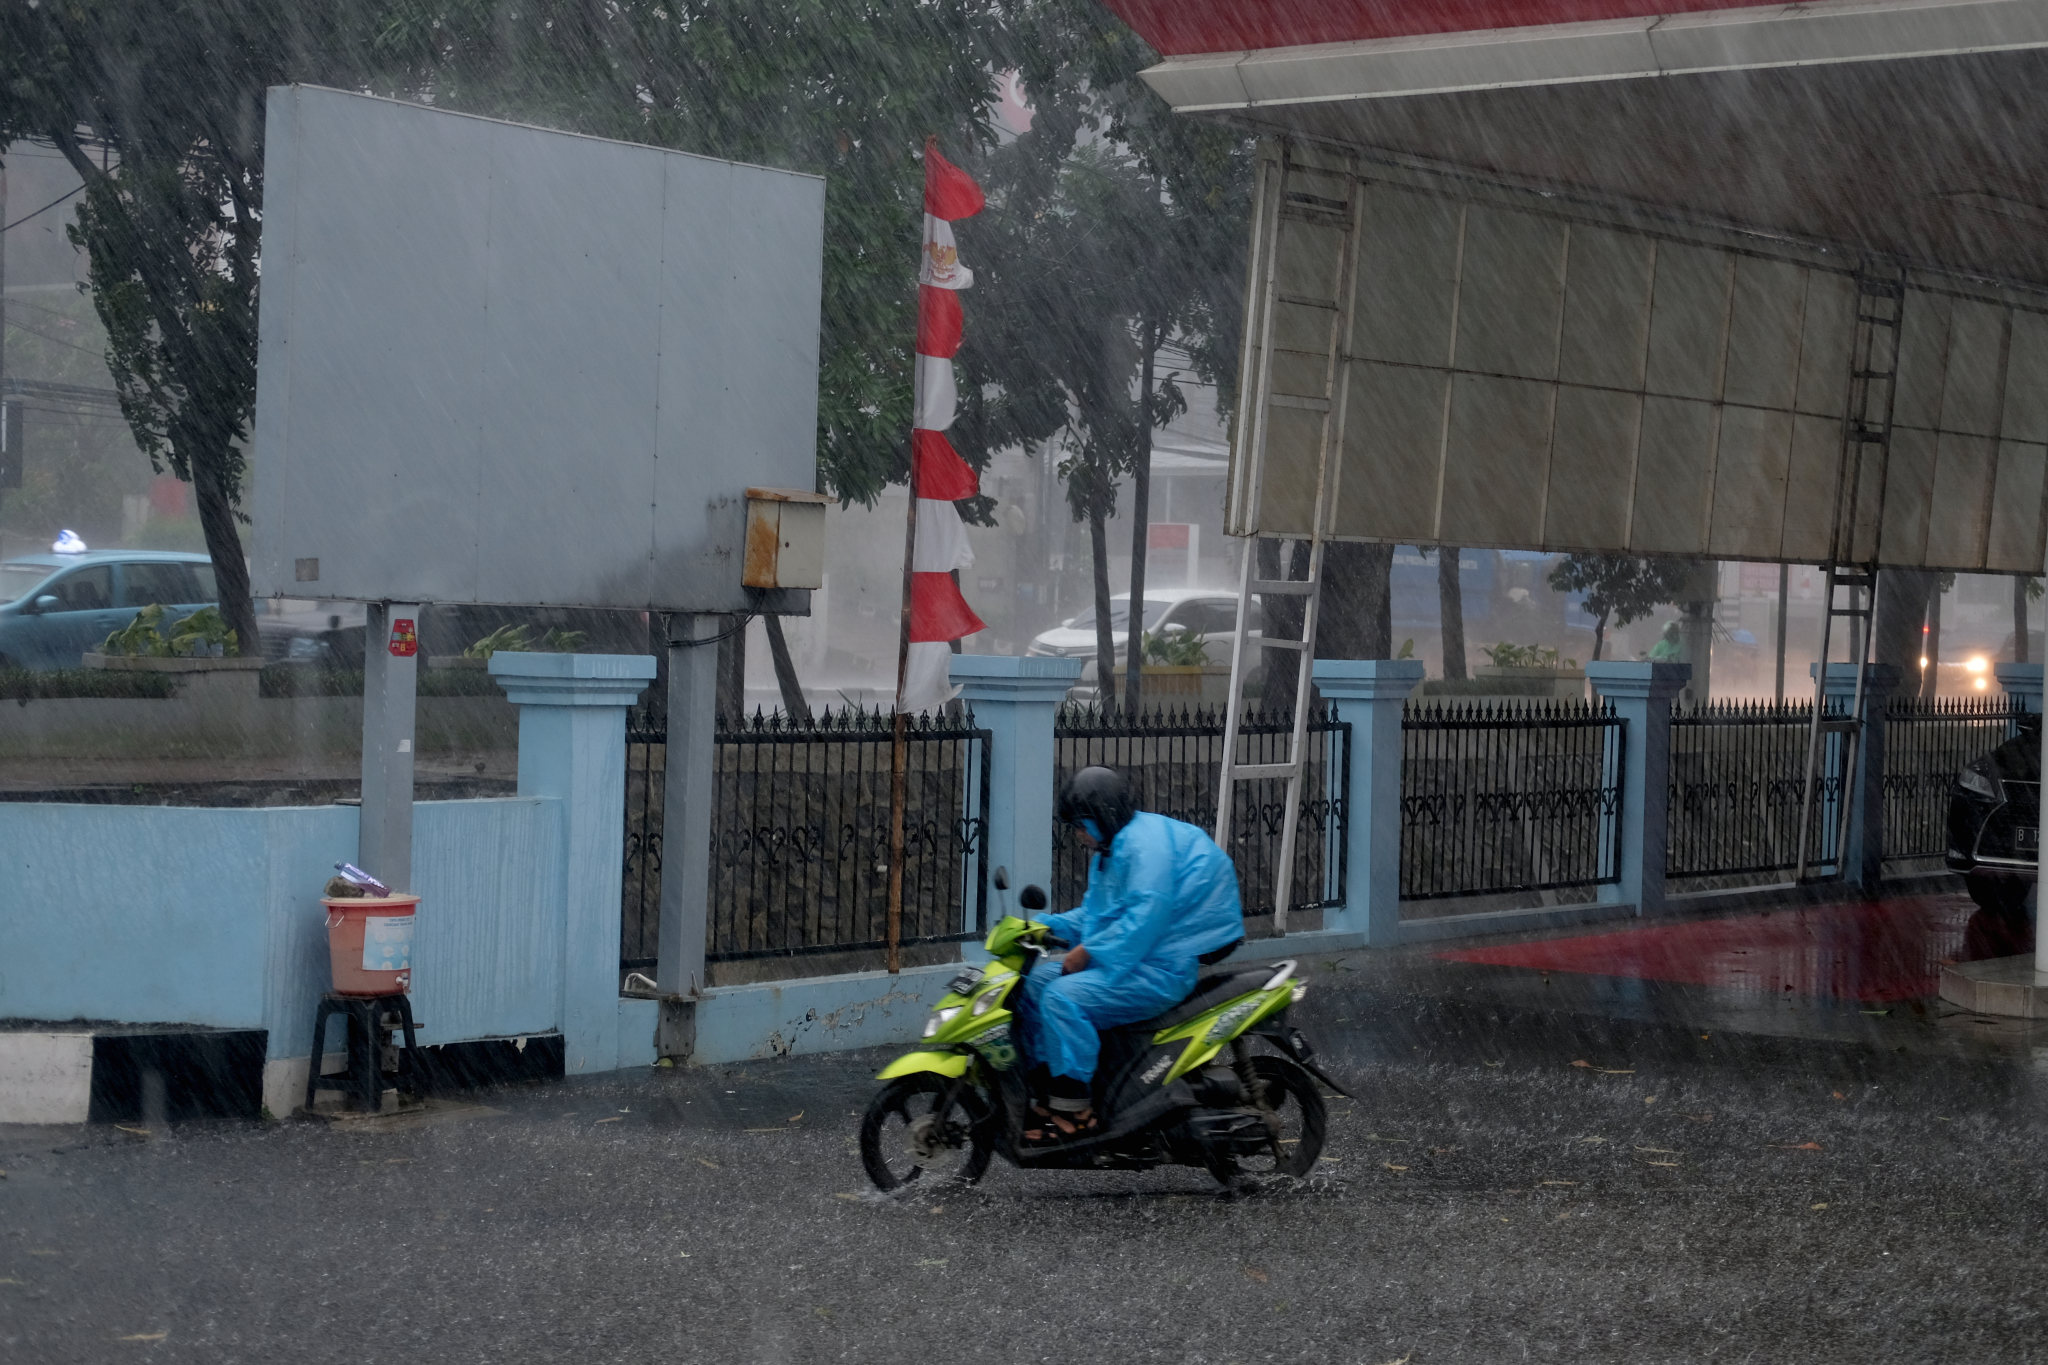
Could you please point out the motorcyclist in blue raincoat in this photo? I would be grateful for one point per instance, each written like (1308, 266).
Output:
(1162, 900)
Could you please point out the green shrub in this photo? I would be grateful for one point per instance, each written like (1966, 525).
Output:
(1509, 655)
(1176, 648)
(514, 640)
(19, 684)
(202, 634)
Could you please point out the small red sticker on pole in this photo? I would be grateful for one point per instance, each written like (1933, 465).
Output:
(405, 641)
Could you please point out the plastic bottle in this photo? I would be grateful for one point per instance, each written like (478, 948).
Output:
(355, 876)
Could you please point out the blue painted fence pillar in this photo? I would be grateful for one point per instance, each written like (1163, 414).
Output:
(572, 747)
(1862, 856)
(1641, 694)
(2022, 684)
(1014, 700)
(1369, 693)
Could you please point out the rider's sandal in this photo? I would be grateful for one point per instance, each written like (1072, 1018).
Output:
(1055, 1126)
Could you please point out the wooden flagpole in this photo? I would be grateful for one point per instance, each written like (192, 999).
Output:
(898, 747)
(899, 777)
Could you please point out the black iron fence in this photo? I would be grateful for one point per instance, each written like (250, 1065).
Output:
(1926, 741)
(1738, 772)
(1509, 797)
(800, 836)
(646, 770)
(1175, 760)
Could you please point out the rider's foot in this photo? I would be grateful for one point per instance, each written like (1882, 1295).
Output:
(1058, 1124)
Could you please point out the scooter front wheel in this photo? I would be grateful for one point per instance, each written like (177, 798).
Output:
(925, 1128)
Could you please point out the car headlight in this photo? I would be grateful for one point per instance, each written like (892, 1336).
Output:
(941, 1019)
(1978, 780)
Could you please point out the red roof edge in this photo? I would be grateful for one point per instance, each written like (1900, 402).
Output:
(1179, 28)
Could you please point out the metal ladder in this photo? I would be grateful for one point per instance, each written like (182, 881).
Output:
(1256, 383)
(1865, 457)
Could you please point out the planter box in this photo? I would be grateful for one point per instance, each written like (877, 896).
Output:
(1567, 684)
(200, 723)
(1182, 684)
(206, 683)
(140, 663)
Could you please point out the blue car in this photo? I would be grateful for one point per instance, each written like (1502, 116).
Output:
(55, 607)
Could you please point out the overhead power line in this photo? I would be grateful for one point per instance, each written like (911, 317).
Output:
(45, 208)
(49, 388)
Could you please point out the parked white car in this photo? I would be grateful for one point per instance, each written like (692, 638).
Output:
(1210, 612)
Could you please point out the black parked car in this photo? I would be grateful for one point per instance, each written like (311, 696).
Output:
(1994, 821)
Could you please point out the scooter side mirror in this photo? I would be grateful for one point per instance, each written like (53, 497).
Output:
(1002, 879)
(1032, 898)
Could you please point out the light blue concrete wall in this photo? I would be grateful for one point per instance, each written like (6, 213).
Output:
(190, 915)
(1641, 694)
(820, 1014)
(151, 914)
(1014, 700)
(1370, 694)
(572, 751)
(2021, 683)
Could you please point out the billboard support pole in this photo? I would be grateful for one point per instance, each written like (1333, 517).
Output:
(686, 795)
(390, 689)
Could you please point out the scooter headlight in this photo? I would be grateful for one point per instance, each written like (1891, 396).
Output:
(941, 1019)
(983, 1003)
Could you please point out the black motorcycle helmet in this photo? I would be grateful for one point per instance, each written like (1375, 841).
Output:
(1099, 794)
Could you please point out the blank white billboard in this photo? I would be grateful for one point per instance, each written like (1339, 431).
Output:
(500, 364)
(1521, 372)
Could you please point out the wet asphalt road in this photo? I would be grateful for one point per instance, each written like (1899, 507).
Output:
(1679, 1198)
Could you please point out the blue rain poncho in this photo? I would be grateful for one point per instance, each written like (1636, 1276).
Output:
(1161, 896)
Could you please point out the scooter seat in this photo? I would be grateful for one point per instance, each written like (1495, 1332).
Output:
(1210, 991)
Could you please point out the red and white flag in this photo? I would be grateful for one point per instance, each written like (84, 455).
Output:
(939, 615)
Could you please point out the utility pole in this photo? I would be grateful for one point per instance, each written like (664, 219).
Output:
(10, 432)
(1778, 673)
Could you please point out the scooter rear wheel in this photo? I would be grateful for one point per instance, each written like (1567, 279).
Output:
(925, 1129)
(1290, 1093)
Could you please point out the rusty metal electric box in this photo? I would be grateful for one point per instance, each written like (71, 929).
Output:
(785, 539)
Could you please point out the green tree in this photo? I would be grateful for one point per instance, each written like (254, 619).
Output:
(1116, 230)
(159, 107)
(1620, 588)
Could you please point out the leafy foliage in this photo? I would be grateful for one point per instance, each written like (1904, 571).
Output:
(1507, 654)
(1113, 251)
(515, 640)
(1176, 648)
(1620, 588)
(159, 110)
(201, 634)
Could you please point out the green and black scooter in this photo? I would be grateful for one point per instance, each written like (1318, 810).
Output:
(1184, 1088)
